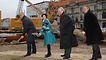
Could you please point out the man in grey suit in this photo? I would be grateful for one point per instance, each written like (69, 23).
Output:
(29, 28)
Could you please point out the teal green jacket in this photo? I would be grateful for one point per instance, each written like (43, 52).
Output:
(49, 37)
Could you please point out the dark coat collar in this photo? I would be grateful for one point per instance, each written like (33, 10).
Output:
(88, 11)
(23, 17)
(61, 15)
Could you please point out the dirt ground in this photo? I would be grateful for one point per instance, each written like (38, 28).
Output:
(16, 52)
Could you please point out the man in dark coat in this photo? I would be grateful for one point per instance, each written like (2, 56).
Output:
(93, 32)
(66, 33)
(29, 28)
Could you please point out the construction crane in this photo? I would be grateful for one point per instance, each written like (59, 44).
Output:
(20, 6)
(0, 21)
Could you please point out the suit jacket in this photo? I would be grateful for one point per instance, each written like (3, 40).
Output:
(29, 28)
(66, 32)
(49, 37)
(92, 28)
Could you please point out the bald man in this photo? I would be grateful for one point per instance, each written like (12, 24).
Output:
(29, 28)
(93, 32)
(66, 33)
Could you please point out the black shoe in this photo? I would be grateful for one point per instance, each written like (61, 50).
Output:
(47, 55)
(33, 53)
(66, 57)
(93, 59)
(63, 55)
(27, 55)
(99, 57)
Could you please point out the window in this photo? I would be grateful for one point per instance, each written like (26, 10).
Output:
(72, 18)
(81, 25)
(80, 9)
(95, 7)
(81, 17)
(104, 5)
(72, 10)
(76, 19)
(96, 15)
(104, 24)
(103, 15)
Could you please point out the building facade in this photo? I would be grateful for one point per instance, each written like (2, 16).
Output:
(32, 13)
(74, 10)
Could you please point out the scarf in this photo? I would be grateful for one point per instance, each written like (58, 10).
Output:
(61, 16)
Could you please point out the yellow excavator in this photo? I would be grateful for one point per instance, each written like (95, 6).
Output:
(16, 24)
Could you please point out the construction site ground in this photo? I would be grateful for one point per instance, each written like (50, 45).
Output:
(17, 52)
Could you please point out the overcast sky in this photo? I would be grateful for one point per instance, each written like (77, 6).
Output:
(9, 7)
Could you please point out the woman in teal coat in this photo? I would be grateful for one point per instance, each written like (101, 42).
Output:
(49, 37)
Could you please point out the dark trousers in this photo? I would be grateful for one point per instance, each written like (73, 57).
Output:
(67, 52)
(31, 46)
(96, 50)
(48, 49)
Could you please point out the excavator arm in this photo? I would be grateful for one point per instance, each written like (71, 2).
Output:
(20, 6)
(53, 6)
(34, 7)
(51, 14)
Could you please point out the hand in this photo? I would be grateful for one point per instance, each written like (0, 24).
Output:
(83, 32)
(22, 37)
(40, 34)
(57, 31)
(35, 34)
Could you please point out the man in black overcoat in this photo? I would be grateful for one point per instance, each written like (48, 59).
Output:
(29, 28)
(66, 33)
(92, 31)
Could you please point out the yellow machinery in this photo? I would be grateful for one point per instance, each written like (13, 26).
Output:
(51, 13)
(16, 24)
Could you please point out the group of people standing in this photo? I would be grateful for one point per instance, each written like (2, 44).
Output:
(91, 30)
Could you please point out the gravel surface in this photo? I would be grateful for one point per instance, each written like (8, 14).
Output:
(81, 49)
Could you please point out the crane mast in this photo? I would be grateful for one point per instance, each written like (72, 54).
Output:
(0, 21)
(20, 6)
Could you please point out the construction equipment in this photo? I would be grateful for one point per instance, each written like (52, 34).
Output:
(0, 21)
(16, 24)
(20, 6)
(34, 7)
